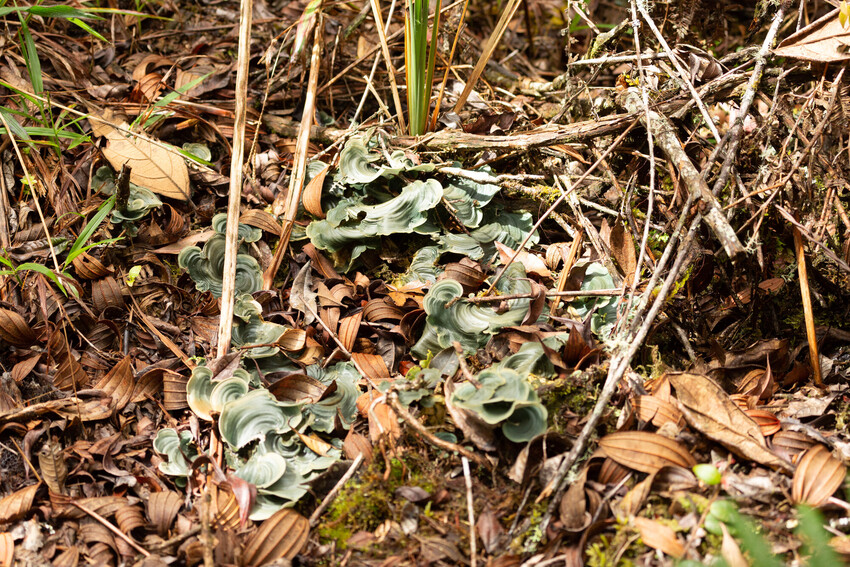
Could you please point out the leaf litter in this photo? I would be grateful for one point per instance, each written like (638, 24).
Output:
(423, 318)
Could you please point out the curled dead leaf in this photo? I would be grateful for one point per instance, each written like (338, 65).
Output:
(282, 535)
(17, 504)
(7, 550)
(162, 508)
(658, 536)
(818, 475)
(15, 330)
(767, 422)
(644, 451)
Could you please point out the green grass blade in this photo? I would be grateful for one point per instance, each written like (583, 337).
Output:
(31, 59)
(87, 232)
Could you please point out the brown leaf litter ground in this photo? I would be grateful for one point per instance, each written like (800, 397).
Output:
(701, 414)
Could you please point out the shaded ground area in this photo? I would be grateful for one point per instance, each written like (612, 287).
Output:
(597, 315)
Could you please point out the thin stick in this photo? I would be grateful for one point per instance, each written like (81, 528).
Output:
(683, 74)
(176, 539)
(470, 510)
(376, 11)
(408, 417)
(228, 287)
(108, 525)
(489, 47)
(560, 200)
(314, 517)
(29, 179)
(299, 168)
(807, 307)
(439, 101)
(587, 293)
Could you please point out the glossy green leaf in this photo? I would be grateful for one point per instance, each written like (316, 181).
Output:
(471, 325)
(262, 469)
(255, 415)
(402, 214)
(176, 448)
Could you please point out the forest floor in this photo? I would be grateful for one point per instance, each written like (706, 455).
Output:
(596, 315)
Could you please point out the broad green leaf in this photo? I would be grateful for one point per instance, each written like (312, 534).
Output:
(176, 448)
(256, 415)
(471, 325)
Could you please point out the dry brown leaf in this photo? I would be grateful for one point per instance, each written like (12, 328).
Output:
(261, 219)
(708, 409)
(573, 508)
(7, 550)
(174, 391)
(154, 167)
(490, 530)
(611, 472)
(15, 330)
(632, 501)
(373, 365)
(17, 504)
(130, 518)
(348, 329)
(623, 248)
(381, 309)
(22, 369)
(318, 446)
(644, 451)
(106, 293)
(162, 508)
(298, 388)
(356, 444)
(658, 536)
(89, 268)
(382, 419)
(51, 462)
(226, 512)
(657, 411)
(768, 423)
(312, 197)
(817, 477)
(791, 444)
(730, 551)
(824, 41)
(282, 535)
(119, 382)
(533, 263)
(467, 273)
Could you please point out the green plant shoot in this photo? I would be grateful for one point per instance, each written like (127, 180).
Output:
(420, 57)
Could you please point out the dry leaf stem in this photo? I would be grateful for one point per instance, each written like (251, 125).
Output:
(806, 295)
(314, 517)
(411, 420)
(621, 359)
(299, 167)
(467, 477)
(228, 287)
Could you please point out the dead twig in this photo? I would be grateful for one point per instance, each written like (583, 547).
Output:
(470, 511)
(409, 418)
(299, 168)
(317, 513)
(108, 525)
(807, 307)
